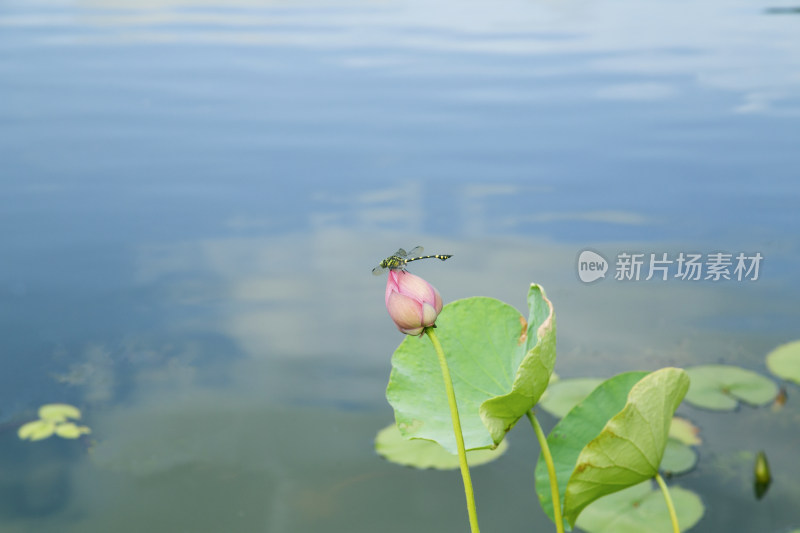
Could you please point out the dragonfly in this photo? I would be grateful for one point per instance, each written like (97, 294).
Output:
(399, 260)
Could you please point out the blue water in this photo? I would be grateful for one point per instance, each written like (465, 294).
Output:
(192, 196)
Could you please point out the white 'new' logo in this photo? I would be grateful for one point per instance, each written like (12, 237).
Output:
(591, 266)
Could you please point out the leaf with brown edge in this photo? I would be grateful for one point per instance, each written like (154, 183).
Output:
(630, 447)
(496, 378)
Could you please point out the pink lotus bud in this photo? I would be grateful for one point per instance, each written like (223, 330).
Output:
(412, 302)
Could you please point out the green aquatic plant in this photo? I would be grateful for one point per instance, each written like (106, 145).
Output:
(564, 394)
(762, 477)
(54, 420)
(615, 438)
(640, 508)
(784, 361)
(496, 366)
(629, 448)
(722, 387)
(421, 453)
(679, 456)
(501, 364)
(414, 305)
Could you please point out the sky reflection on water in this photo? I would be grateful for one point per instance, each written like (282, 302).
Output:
(194, 196)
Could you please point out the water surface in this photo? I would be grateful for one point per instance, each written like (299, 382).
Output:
(194, 194)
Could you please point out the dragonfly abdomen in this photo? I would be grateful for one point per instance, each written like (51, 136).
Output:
(440, 257)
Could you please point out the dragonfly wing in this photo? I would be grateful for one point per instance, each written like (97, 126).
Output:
(378, 270)
(416, 251)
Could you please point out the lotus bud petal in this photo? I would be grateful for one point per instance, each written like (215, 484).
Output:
(412, 302)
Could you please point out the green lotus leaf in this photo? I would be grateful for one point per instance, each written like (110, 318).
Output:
(68, 430)
(583, 423)
(500, 366)
(36, 430)
(721, 387)
(630, 447)
(784, 361)
(684, 431)
(678, 458)
(59, 412)
(562, 395)
(641, 508)
(419, 453)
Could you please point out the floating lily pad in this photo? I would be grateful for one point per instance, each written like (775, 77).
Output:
(630, 447)
(58, 412)
(684, 431)
(563, 395)
(721, 387)
(420, 453)
(641, 508)
(678, 458)
(784, 361)
(53, 420)
(36, 430)
(500, 366)
(68, 430)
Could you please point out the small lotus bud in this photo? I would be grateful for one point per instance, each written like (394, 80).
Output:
(412, 302)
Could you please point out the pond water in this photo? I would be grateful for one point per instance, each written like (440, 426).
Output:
(194, 194)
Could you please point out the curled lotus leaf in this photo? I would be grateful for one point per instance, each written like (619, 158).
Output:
(500, 365)
(630, 447)
(582, 424)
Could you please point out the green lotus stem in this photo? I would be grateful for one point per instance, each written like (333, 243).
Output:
(672, 515)
(551, 471)
(462, 452)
